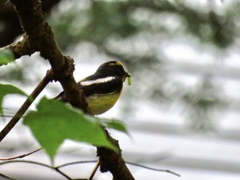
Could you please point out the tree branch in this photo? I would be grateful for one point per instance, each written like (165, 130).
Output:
(112, 161)
(39, 37)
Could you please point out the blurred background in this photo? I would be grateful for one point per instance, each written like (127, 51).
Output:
(182, 110)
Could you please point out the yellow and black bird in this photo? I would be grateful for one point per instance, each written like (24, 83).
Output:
(103, 88)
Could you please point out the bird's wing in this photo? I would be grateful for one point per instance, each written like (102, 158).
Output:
(101, 86)
(90, 87)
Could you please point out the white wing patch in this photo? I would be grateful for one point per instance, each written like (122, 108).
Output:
(97, 81)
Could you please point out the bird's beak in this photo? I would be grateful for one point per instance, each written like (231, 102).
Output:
(128, 76)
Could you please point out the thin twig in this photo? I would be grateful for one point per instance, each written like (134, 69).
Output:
(94, 171)
(26, 161)
(63, 174)
(37, 163)
(57, 168)
(76, 162)
(20, 156)
(154, 169)
(6, 177)
(131, 163)
(26, 105)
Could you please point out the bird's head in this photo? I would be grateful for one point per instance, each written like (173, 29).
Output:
(114, 68)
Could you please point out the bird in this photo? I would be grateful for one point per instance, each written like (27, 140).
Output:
(103, 88)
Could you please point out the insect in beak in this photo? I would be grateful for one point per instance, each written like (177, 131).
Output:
(129, 78)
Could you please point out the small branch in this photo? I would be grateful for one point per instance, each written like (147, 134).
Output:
(154, 169)
(26, 105)
(6, 177)
(131, 163)
(20, 156)
(63, 174)
(57, 168)
(21, 48)
(77, 162)
(94, 171)
(37, 163)
(26, 161)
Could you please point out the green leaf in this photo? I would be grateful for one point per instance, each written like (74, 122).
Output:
(6, 56)
(115, 124)
(54, 122)
(6, 89)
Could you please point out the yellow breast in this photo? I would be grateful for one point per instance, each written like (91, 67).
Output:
(100, 103)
